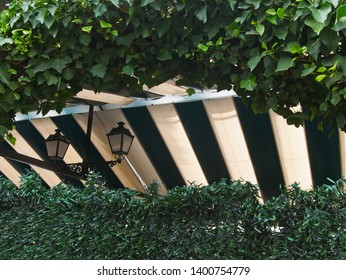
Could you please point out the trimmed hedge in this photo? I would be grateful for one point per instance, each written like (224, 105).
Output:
(221, 221)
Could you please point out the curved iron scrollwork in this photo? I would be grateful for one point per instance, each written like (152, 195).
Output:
(82, 168)
(76, 168)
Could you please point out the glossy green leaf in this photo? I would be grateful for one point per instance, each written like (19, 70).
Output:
(49, 21)
(308, 70)
(99, 70)
(284, 63)
(315, 25)
(271, 12)
(163, 28)
(4, 41)
(100, 9)
(202, 47)
(253, 62)
(201, 14)
(4, 75)
(321, 13)
(248, 83)
(87, 29)
(320, 78)
(260, 29)
(105, 24)
(146, 2)
(336, 98)
(190, 91)
(128, 69)
(340, 22)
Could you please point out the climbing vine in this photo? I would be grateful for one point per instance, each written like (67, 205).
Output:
(278, 54)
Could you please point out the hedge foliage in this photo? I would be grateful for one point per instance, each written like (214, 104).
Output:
(222, 221)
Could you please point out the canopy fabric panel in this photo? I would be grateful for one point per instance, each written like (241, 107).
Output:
(199, 141)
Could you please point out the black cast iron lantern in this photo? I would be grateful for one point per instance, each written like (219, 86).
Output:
(120, 140)
(57, 145)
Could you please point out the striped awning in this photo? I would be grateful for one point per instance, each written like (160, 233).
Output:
(181, 139)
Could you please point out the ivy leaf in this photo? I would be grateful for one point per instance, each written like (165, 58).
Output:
(260, 29)
(341, 121)
(314, 50)
(163, 27)
(84, 39)
(281, 13)
(164, 55)
(203, 47)
(190, 91)
(105, 24)
(336, 98)
(330, 38)
(68, 73)
(255, 3)
(281, 32)
(308, 70)
(128, 69)
(297, 119)
(146, 2)
(232, 3)
(272, 19)
(284, 63)
(87, 29)
(321, 14)
(42, 65)
(99, 70)
(3, 130)
(315, 25)
(271, 12)
(49, 20)
(324, 106)
(340, 21)
(41, 16)
(52, 80)
(248, 83)
(4, 41)
(201, 14)
(335, 3)
(252, 63)
(115, 3)
(320, 78)
(100, 9)
(272, 102)
(52, 9)
(292, 47)
(4, 76)
(60, 63)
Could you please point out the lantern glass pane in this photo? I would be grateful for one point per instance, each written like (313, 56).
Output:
(115, 142)
(51, 148)
(63, 146)
(127, 143)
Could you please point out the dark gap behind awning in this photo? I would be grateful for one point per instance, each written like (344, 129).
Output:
(260, 141)
(29, 132)
(21, 167)
(203, 140)
(324, 153)
(76, 136)
(153, 144)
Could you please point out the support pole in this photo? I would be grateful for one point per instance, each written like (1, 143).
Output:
(144, 186)
(88, 139)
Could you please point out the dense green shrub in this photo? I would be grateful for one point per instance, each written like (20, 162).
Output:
(221, 221)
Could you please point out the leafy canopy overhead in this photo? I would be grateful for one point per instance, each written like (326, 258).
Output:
(278, 53)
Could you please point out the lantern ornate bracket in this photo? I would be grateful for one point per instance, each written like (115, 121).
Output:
(80, 168)
(120, 141)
